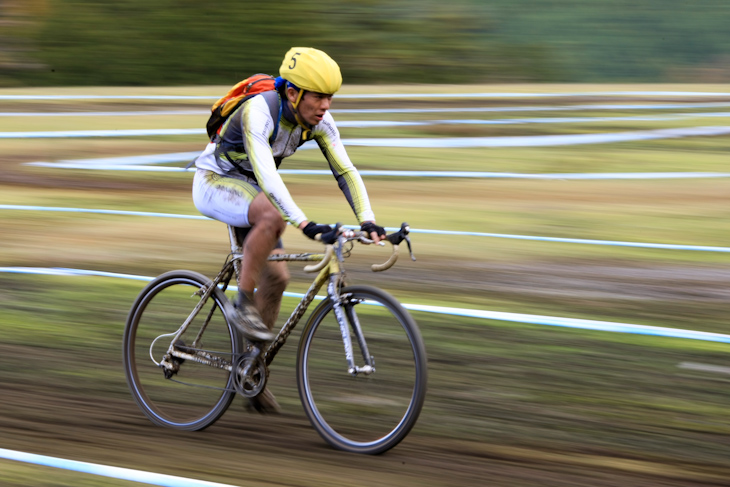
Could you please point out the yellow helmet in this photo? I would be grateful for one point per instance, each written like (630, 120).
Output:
(311, 70)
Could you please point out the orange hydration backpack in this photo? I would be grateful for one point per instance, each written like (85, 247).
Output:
(242, 91)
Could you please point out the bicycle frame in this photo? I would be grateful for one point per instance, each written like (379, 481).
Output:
(329, 272)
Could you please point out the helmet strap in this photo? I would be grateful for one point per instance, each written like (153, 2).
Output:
(306, 129)
(299, 98)
(294, 105)
(305, 126)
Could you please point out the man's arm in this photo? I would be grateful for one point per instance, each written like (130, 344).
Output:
(328, 138)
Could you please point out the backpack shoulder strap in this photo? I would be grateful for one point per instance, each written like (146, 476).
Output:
(273, 100)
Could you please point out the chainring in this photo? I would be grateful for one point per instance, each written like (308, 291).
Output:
(250, 374)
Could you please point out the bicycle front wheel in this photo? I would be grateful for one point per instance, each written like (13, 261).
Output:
(366, 413)
(197, 394)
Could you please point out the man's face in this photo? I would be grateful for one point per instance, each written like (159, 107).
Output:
(313, 106)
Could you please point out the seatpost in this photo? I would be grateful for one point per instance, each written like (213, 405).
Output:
(236, 249)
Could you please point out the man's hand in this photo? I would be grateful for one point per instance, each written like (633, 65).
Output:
(327, 234)
(375, 232)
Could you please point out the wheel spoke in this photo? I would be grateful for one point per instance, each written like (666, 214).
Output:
(191, 393)
(367, 413)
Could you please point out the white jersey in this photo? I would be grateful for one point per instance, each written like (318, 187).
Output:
(245, 151)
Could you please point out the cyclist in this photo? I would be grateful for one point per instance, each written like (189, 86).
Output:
(237, 182)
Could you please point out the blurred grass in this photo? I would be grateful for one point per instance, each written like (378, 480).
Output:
(517, 391)
(660, 211)
(16, 474)
(592, 123)
(509, 385)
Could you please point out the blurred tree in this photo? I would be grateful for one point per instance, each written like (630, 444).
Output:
(18, 30)
(144, 42)
(164, 42)
(423, 42)
(620, 40)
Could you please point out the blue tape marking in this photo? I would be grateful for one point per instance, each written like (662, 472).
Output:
(666, 106)
(430, 143)
(105, 114)
(533, 95)
(419, 174)
(99, 133)
(507, 175)
(146, 159)
(107, 97)
(575, 323)
(617, 243)
(527, 121)
(118, 163)
(703, 248)
(112, 167)
(102, 211)
(470, 313)
(107, 471)
(381, 96)
(538, 140)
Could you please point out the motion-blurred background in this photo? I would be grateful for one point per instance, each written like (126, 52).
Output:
(509, 403)
(164, 42)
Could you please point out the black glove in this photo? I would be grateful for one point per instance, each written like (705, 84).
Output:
(369, 227)
(327, 234)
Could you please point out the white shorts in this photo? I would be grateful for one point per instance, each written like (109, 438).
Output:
(223, 198)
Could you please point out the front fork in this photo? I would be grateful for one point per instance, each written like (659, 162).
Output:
(347, 319)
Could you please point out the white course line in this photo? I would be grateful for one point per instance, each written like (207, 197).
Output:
(539, 140)
(428, 143)
(413, 174)
(71, 134)
(118, 163)
(120, 113)
(527, 121)
(386, 95)
(471, 313)
(131, 160)
(701, 248)
(717, 369)
(149, 478)
(419, 123)
(563, 108)
(657, 106)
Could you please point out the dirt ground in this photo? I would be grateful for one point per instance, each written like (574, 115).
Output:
(243, 449)
(47, 406)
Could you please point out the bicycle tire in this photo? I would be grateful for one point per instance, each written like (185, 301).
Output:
(367, 414)
(203, 393)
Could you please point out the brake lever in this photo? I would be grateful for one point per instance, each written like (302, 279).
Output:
(402, 234)
(397, 237)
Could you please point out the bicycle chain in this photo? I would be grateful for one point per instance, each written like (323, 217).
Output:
(236, 358)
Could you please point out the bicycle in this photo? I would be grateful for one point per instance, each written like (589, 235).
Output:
(185, 367)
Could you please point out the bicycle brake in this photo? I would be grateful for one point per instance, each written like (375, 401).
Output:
(401, 235)
(410, 250)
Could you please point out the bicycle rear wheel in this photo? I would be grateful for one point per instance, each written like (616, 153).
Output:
(197, 395)
(366, 413)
